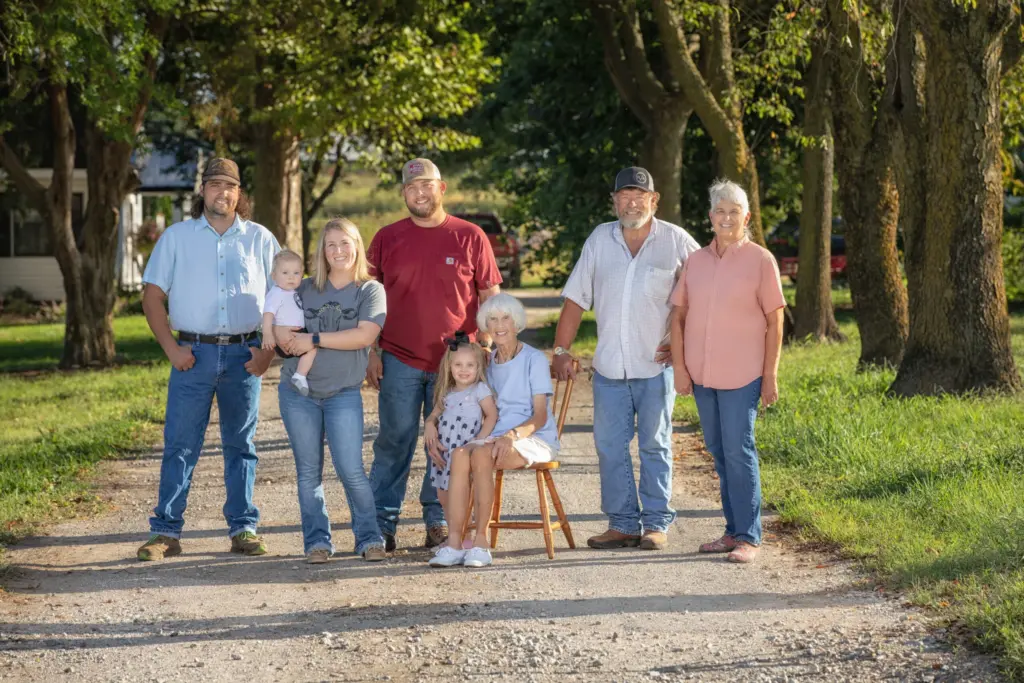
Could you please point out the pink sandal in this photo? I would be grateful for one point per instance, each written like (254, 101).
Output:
(744, 553)
(722, 545)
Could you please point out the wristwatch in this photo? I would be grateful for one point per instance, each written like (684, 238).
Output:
(316, 340)
(559, 351)
(515, 433)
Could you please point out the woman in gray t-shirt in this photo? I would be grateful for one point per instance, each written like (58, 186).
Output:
(344, 311)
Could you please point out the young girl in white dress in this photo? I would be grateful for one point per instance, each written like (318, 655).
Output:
(464, 408)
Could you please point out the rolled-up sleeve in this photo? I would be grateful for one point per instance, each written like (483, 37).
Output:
(678, 297)
(160, 267)
(374, 306)
(580, 285)
(540, 375)
(769, 292)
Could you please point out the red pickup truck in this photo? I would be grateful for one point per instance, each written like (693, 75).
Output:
(784, 247)
(503, 242)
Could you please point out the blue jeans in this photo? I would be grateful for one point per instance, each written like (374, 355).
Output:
(727, 419)
(218, 371)
(619, 405)
(340, 418)
(405, 392)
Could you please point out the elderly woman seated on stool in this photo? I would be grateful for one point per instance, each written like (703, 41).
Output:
(525, 433)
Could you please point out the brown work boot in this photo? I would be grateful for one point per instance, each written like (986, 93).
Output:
(613, 539)
(654, 540)
(158, 547)
(375, 553)
(743, 553)
(436, 535)
(248, 543)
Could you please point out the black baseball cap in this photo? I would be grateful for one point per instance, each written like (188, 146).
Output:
(634, 176)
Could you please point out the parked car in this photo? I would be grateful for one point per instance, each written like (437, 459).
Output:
(784, 245)
(504, 243)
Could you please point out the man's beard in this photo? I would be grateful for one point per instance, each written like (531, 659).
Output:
(635, 223)
(424, 211)
(212, 210)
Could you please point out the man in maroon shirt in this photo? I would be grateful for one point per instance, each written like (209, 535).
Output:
(436, 270)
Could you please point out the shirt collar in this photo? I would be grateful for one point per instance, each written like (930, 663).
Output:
(728, 250)
(618, 237)
(238, 225)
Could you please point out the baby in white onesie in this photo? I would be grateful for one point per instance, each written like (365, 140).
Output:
(283, 308)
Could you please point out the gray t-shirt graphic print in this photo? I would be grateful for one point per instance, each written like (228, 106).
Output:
(335, 310)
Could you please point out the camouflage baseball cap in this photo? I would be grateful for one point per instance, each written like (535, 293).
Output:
(419, 169)
(222, 169)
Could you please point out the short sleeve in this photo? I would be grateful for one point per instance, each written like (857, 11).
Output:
(678, 296)
(272, 304)
(485, 267)
(769, 293)
(482, 391)
(580, 285)
(373, 256)
(687, 246)
(540, 374)
(160, 267)
(270, 249)
(373, 307)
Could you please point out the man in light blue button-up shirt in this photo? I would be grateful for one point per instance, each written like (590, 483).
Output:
(213, 271)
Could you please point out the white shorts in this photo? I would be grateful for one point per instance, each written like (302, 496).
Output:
(531, 448)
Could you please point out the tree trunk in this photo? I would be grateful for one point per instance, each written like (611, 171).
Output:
(815, 317)
(660, 107)
(715, 99)
(959, 327)
(867, 148)
(277, 191)
(663, 158)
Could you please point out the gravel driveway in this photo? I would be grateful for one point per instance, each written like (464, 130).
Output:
(80, 607)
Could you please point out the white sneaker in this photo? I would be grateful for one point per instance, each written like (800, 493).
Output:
(477, 557)
(300, 384)
(447, 556)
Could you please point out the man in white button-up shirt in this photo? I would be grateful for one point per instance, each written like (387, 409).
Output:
(625, 274)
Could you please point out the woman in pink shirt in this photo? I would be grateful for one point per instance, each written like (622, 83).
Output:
(726, 339)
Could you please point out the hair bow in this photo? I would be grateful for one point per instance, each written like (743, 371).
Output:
(458, 340)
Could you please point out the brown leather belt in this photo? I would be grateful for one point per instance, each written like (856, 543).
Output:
(218, 339)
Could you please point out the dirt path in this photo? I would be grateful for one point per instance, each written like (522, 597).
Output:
(81, 608)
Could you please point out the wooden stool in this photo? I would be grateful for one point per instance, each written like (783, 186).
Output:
(544, 479)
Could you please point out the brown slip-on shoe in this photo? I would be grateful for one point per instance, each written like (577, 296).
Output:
(158, 547)
(654, 540)
(721, 545)
(613, 539)
(318, 556)
(436, 535)
(743, 553)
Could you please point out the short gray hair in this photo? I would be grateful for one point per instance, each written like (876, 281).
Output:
(726, 190)
(500, 303)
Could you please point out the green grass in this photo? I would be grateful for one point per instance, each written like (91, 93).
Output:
(38, 347)
(58, 425)
(371, 205)
(928, 493)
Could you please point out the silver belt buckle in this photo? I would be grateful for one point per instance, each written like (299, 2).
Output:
(223, 339)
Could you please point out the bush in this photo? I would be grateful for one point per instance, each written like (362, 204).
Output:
(19, 304)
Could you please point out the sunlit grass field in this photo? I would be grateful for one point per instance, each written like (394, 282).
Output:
(58, 425)
(928, 493)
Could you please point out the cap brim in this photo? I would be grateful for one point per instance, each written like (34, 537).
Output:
(638, 187)
(228, 178)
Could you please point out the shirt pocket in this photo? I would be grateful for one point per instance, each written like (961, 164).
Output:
(250, 273)
(658, 283)
(453, 268)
